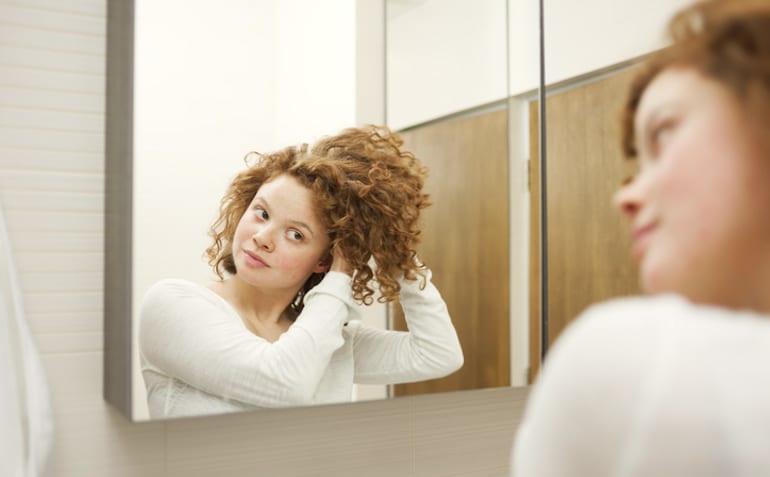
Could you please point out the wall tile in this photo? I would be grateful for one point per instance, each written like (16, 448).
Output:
(50, 17)
(102, 443)
(475, 441)
(20, 117)
(39, 158)
(372, 438)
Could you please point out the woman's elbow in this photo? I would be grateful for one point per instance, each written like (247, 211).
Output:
(451, 361)
(296, 392)
(297, 398)
(455, 361)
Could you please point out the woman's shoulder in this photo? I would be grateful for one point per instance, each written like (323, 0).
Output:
(635, 318)
(632, 368)
(628, 334)
(170, 292)
(171, 284)
(175, 287)
(634, 308)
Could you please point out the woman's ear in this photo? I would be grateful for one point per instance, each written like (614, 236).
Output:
(323, 265)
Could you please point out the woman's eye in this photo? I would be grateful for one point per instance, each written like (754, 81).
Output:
(661, 134)
(294, 235)
(262, 214)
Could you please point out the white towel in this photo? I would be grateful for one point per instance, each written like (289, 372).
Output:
(26, 421)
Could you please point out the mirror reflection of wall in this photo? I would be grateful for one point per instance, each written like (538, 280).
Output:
(588, 240)
(443, 58)
(448, 89)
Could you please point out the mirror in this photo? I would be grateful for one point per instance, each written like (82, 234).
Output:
(184, 109)
(203, 101)
(447, 89)
(458, 80)
(587, 260)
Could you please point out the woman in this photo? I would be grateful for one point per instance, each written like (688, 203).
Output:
(302, 236)
(677, 383)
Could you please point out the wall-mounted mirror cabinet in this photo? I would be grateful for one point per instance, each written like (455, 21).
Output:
(185, 108)
(193, 87)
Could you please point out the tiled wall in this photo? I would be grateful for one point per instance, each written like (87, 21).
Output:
(52, 60)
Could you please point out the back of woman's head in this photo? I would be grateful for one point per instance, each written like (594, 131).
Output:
(368, 193)
(725, 40)
(370, 196)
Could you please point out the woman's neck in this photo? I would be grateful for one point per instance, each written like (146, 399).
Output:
(260, 307)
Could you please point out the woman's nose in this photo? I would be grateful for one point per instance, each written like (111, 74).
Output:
(263, 239)
(628, 198)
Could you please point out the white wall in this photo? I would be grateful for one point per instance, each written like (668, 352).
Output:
(446, 57)
(442, 57)
(315, 69)
(608, 32)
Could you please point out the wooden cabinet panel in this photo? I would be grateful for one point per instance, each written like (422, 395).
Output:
(466, 242)
(588, 240)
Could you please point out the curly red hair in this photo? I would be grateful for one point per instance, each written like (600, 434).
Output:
(726, 40)
(368, 193)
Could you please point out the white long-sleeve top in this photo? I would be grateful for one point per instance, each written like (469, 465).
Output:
(198, 357)
(651, 387)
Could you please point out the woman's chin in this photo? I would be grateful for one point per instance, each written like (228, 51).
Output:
(655, 279)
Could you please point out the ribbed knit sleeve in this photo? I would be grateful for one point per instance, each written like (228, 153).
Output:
(429, 350)
(190, 335)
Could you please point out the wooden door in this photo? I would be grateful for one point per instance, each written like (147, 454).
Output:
(465, 242)
(588, 240)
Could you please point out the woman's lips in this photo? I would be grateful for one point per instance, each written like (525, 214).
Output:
(641, 240)
(255, 260)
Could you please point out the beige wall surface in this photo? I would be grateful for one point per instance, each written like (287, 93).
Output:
(52, 62)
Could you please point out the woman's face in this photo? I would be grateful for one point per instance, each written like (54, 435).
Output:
(700, 206)
(280, 241)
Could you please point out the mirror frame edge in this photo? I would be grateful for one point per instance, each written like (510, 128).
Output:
(118, 170)
(118, 210)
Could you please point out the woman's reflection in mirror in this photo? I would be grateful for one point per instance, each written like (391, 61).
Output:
(303, 235)
(676, 383)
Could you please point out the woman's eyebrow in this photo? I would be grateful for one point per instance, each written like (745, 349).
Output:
(302, 225)
(657, 114)
(261, 202)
